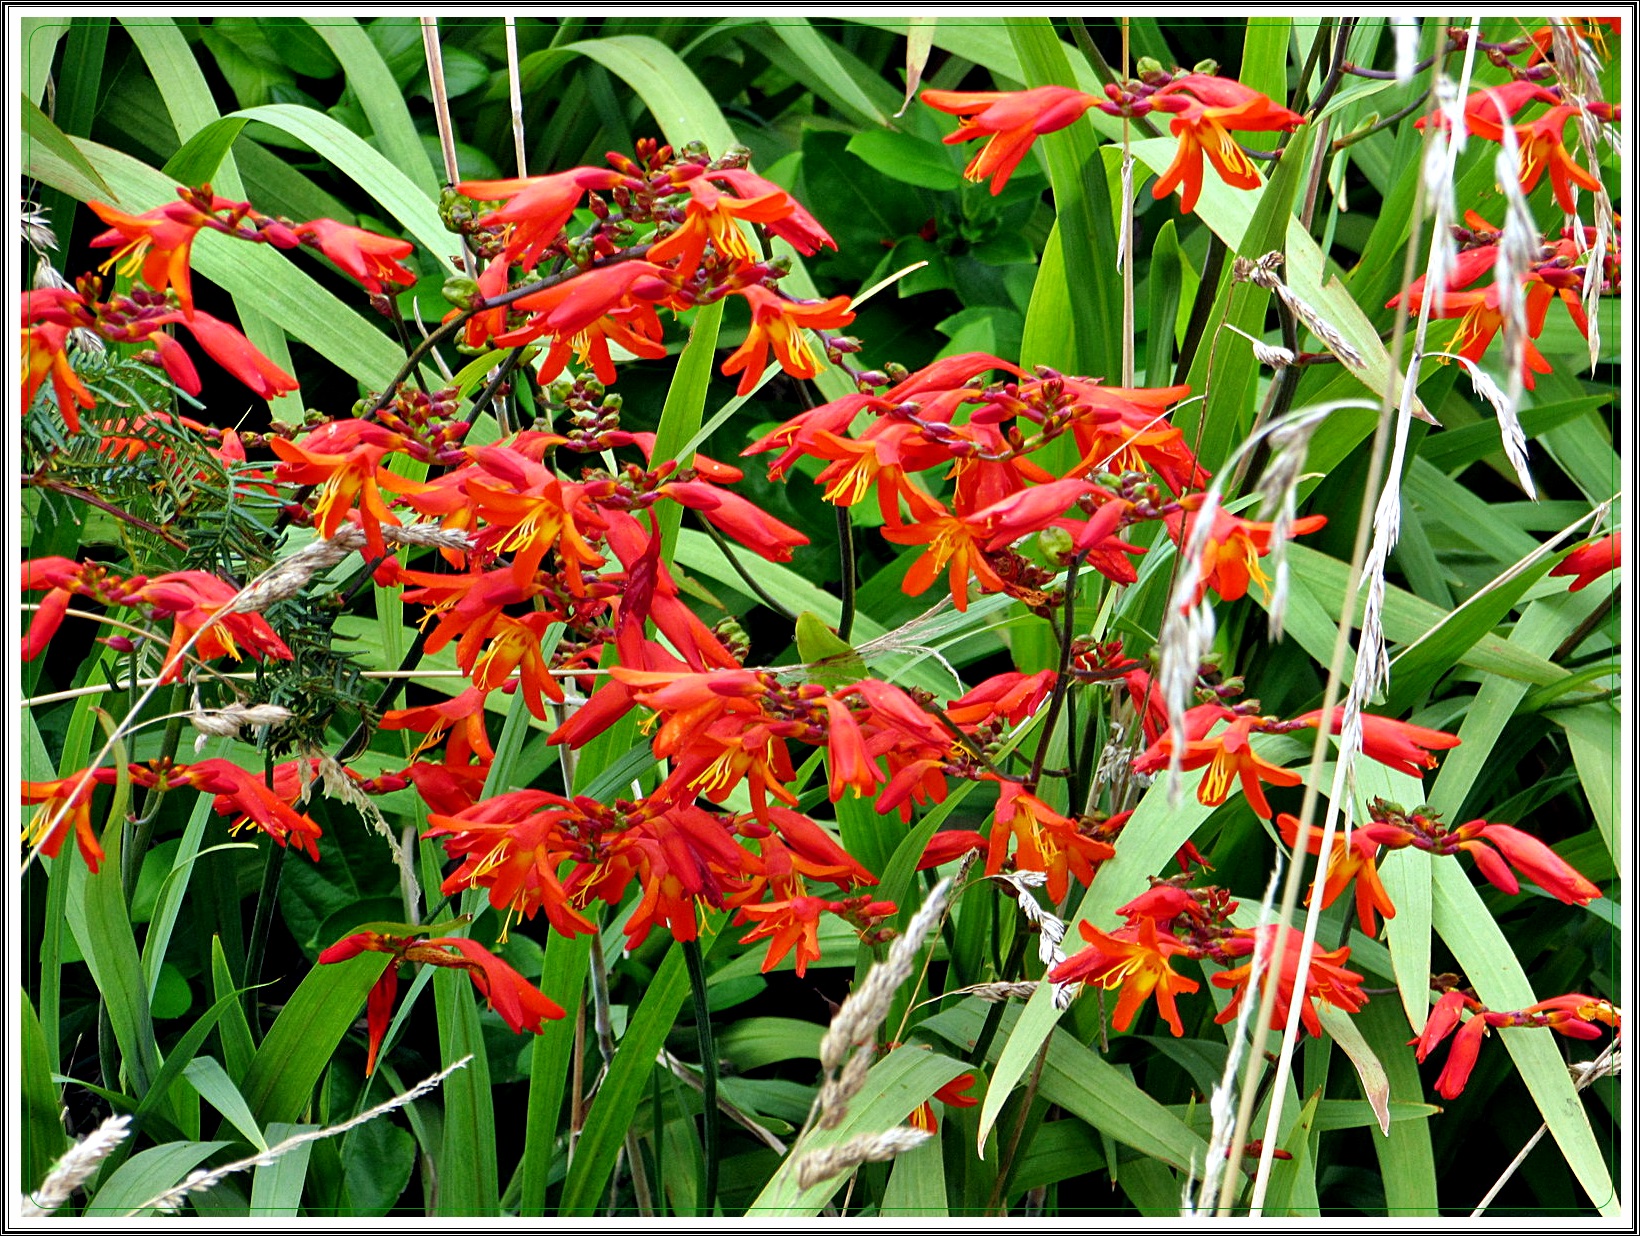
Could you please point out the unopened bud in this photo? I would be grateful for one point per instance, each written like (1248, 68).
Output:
(1209, 68)
(1056, 544)
(1148, 66)
(461, 291)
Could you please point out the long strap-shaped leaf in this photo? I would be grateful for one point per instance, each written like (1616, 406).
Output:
(288, 296)
(188, 98)
(378, 94)
(894, 1088)
(623, 1087)
(1087, 240)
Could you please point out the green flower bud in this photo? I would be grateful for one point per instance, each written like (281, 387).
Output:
(1056, 544)
(461, 291)
(1148, 66)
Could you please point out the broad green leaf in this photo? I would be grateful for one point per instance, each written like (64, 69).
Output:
(818, 63)
(38, 38)
(197, 162)
(1368, 1068)
(1227, 413)
(1452, 450)
(563, 976)
(305, 1035)
(1594, 732)
(172, 893)
(43, 1136)
(1408, 618)
(757, 1041)
(683, 108)
(1406, 1160)
(238, 1046)
(207, 1076)
(146, 1175)
(907, 158)
(1166, 282)
(351, 155)
(916, 1183)
(832, 662)
(894, 1088)
(1292, 1183)
(468, 1183)
(1264, 68)
(628, 1078)
(1082, 202)
(1060, 1150)
(1487, 960)
(97, 917)
(87, 182)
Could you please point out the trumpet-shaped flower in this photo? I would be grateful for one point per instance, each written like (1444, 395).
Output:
(1588, 562)
(780, 322)
(1138, 965)
(1205, 111)
(369, 258)
(1013, 120)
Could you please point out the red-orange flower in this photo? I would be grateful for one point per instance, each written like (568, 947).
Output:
(1138, 966)
(538, 207)
(1527, 855)
(65, 804)
(1355, 861)
(1205, 110)
(780, 322)
(159, 241)
(345, 457)
(1327, 980)
(197, 601)
(521, 1005)
(1228, 754)
(49, 315)
(952, 1094)
(369, 258)
(1400, 745)
(1013, 120)
(1588, 562)
(1234, 546)
(713, 215)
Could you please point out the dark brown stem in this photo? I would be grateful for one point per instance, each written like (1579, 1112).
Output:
(73, 491)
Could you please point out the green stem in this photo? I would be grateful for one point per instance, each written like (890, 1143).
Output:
(993, 1015)
(1062, 681)
(708, 1073)
(267, 897)
(131, 859)
(845, 544)
(757, 588)
(1202, 309)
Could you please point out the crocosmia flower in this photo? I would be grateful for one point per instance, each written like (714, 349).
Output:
(1013, 120)
(1589, 562)
(1205, 111)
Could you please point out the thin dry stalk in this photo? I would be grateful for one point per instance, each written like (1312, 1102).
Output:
(515, 95)
(1221, 1105)
(71, 1171)
(199, 1181)
(1371, 672)
(1584, 1074)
